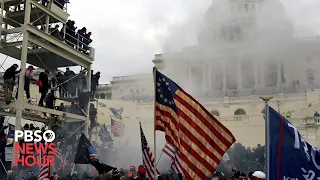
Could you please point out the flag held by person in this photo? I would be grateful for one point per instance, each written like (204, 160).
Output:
(117, 128)
(290, 156)
(11, 131)
(60, 158)
(170, 151)
(147, 156)
(85, 152)
(196, 134)
(105, 135)
(87, 155)
(44, 173)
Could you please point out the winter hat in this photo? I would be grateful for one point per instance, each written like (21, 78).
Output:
(142, 171)
(259, 175)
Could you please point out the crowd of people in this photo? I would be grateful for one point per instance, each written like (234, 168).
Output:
(79, 39)
(232, 168)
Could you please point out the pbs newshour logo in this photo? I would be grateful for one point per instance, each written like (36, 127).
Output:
(32, 150)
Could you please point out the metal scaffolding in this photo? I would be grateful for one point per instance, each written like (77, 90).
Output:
(36, 46)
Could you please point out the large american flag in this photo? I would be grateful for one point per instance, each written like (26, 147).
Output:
(117, 127)
(147, 156)
(200, 138)
(44, 173)
(174, 155)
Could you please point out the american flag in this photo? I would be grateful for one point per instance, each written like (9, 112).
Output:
(59, 156)
(147, 156)
(200, 138)
(92, 154)
(175, 160)
(44, 173)
(117, 127)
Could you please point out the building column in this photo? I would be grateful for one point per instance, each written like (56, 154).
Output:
(261, 68)
(210, 77)
(239, 67)
(224, 73)
(189, 76)
(256, 74)
(278, 73)
(204, 77)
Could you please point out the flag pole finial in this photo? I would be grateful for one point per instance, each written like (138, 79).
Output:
(266, 99)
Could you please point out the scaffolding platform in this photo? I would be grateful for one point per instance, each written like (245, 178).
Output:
(8, 3)
(37, 18)
(38, 47)
(38, 13)
(36, 113)
(46, 50)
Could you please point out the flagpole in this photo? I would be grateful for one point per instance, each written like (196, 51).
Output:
(267, 138)
(72, 168)
(154, 121)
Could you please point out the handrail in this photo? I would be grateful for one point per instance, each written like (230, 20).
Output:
(64, 7)
(76, 33)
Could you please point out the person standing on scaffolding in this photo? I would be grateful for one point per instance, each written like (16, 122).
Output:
(27, 80)
(9, 78)
(69, 82)
(43, 77)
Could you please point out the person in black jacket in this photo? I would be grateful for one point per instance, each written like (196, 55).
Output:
(50, 100)
(86, 41)
(43, 77)
(9, 78)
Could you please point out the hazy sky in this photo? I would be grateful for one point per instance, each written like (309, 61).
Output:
(126, 34)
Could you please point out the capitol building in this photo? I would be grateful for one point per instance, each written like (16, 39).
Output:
(246, 50)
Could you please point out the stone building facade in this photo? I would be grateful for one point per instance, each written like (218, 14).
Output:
(246, 50)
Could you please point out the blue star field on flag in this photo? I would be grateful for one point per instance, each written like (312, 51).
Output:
(92, 154)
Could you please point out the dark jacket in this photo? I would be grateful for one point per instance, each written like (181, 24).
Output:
(43, 77)
(86, 39)
(49, 100)
(69, 73)
(10, 73)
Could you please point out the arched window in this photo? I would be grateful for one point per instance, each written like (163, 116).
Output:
(240, 112)
(215, 113)
(102, 96)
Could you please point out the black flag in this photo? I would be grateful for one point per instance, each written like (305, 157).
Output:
(85, 152)
(87, 155)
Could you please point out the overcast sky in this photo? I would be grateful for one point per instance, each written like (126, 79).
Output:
(126, 34)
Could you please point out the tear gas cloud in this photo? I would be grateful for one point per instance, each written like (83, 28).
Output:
(273, 22)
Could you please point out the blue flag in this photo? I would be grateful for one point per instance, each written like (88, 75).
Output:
(11, 131)
(105, 135)
(115, 112)
(291, 157)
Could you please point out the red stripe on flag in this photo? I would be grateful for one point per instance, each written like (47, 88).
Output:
(199, 137)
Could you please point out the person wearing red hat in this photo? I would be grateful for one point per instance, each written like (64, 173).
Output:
(86, 41)
(142, 173)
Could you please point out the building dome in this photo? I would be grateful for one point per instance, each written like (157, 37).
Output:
(243, 20)
(272, 22)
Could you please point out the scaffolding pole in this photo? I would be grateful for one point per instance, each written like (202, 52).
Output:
(86, 126)
(24, 54)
